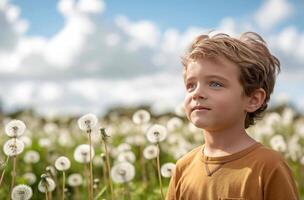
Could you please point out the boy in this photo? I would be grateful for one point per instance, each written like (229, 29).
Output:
(228, 84)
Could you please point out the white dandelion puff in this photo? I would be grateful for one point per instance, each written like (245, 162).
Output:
(21, 192)
(278, 143)
(15, 128)
(156, 133)
(123, 147)
(75, 180)
(13, 147)
(141, 117)
(127, 156)
(136, 140)
(26, 140)
(51, 170)
(62, 163)
(31, 157)
(150, 152)
(45, 142)
(82, 153)
(30, 177)
(46, 185)
(174, 124)
(167, 169)
(123, 172)
(87, 122)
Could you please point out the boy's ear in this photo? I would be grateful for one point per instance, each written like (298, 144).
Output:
(255, 100)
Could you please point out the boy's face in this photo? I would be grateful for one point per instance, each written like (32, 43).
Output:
(214, 96)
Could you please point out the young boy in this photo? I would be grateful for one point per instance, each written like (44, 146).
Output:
(228, 84)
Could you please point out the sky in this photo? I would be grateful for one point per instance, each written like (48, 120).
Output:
(81, 56)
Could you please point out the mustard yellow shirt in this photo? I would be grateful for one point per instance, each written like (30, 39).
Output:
(255, 173)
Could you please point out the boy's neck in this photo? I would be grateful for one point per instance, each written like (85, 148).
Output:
(226, 142)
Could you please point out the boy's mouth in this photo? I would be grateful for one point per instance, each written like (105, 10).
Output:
(198, 108)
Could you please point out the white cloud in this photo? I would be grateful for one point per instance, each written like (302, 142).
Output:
(19, 95)
(272, 12)
(49, 92)
(112, 39)
(142, 33)
(65, 46)
(12, 13)
(290, 42)
(91, 6)
(66, 7)
(3, 3)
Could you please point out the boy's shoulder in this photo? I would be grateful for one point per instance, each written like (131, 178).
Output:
(268, 156)
(188, 157)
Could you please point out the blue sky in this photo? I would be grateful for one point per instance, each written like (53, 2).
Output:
(79, 56)
(179, 13)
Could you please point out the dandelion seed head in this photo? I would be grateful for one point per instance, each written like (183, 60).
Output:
(62, 163)
(87, 122)
(75, 180)
(15, 128)
(46, 184)
(45, 142)
(156, 133)
(278, 143)
(26, 140)
(123, 147)
(21, 192)
(13, 147)
(167, 169)
(150, 152)
(31, 157)
(51, 170)
(127, 156)
(82, 153)
(30, 178)
(141, 117)
(136, 140)
(174, 124)
(122, 172)
(105, 133)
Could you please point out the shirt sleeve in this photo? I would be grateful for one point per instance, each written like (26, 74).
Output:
(280, 184)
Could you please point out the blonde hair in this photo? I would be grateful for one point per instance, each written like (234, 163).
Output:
(258, 67)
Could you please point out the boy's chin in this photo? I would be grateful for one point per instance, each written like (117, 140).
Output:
(199, 124)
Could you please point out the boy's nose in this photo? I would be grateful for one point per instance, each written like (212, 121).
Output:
(199, 94)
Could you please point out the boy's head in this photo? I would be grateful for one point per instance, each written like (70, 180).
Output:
(247, 64)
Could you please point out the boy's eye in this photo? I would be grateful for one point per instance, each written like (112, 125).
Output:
(190, 86)
(215, 84)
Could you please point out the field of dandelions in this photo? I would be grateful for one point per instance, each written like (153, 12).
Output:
(126, 154)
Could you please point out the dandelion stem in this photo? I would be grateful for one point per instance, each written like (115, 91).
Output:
(91, 167)
(108, 169)
(127, 191)
(76, 193)
(86, 174)
(3, 172)
(46, 191)
(159, 176)
(143, 167)
(14, 172)
(63, 184)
